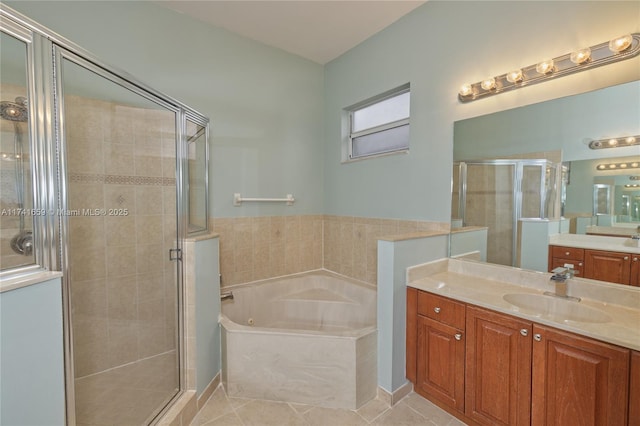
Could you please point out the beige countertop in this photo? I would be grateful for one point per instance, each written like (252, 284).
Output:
(595, 242)
(485, 285)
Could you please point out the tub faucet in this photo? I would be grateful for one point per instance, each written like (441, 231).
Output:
(559, 278)
(226, 296)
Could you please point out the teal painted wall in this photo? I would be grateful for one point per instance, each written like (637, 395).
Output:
(437, 48)
(265, 104)
(207, 298)
(31, 355)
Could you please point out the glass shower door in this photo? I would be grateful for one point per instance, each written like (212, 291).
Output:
(119, 210)
(16, 198)
(489, 201)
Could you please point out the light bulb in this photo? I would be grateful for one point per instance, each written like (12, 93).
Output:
(623, 165)
(515, 76)
(630, 140)
(621, 43)
(601, 167)
(634, 164)
(545, 67)
(613, 142)
(466, 90)
(580, 56)
(612, 166)
(488, 84)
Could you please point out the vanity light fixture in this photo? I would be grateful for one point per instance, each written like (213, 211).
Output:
(617, 49)
(616, 166)
(615, 142)
(637, 177)
(635, 185)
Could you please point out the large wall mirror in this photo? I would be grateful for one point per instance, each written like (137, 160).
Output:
(534, 163)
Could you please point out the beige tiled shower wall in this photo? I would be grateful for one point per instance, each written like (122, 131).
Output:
(123, 287)
(255, 248)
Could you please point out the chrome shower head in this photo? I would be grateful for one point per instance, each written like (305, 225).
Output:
(14, 111)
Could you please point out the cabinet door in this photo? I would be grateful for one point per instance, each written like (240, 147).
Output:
(577, 381)
(634, 390)
(440, 364)
(498, 368)
(635, 271)
(607, 266)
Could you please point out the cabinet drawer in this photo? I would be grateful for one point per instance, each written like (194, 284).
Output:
(570, 253)
(441, 309)
(578, 265)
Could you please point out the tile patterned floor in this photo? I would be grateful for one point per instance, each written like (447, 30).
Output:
(412, 410)
(127, 395)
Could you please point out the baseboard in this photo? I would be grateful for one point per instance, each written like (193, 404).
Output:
(392, 398)
(208, 391)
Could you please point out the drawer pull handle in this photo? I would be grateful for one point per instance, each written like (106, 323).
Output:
(457, 336)
(524, 332)
(537, 337)
(436, 310)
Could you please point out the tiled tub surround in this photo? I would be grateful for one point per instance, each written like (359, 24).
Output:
(123, 287)
(307, 339)
(256, 248)
(485, 285)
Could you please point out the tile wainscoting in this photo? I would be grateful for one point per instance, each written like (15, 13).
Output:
(256, 248)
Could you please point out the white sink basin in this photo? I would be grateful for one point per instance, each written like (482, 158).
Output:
(555, 308)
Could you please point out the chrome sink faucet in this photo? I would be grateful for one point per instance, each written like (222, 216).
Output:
(559, 278)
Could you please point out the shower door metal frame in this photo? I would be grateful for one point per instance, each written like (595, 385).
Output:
(41, 146)
(60, 54)
(517, 191)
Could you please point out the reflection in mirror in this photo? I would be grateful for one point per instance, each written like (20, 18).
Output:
(527, 174)
(196, 135)
(16, 199)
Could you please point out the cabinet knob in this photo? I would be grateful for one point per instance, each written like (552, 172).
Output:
(458, 336)
(635, 259)
(580, 264)
(524, 332)
(537, 337)
(567, 253)
(436, 310)
(626, 258)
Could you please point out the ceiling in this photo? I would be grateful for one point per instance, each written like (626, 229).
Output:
(317, 30)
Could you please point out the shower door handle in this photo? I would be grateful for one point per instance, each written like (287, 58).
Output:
(175, 254)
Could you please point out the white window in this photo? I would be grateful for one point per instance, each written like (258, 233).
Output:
(380, 125)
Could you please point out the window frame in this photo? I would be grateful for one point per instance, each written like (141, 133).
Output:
(351, 135)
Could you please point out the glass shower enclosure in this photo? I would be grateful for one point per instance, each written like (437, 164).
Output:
(102, 178)
(497, 194)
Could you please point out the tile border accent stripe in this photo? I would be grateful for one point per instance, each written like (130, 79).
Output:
(121, 179)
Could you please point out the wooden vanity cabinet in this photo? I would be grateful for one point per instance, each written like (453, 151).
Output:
(577, 381)
(498, 368)
(610, 266)
(489, 368)
(440, 349)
